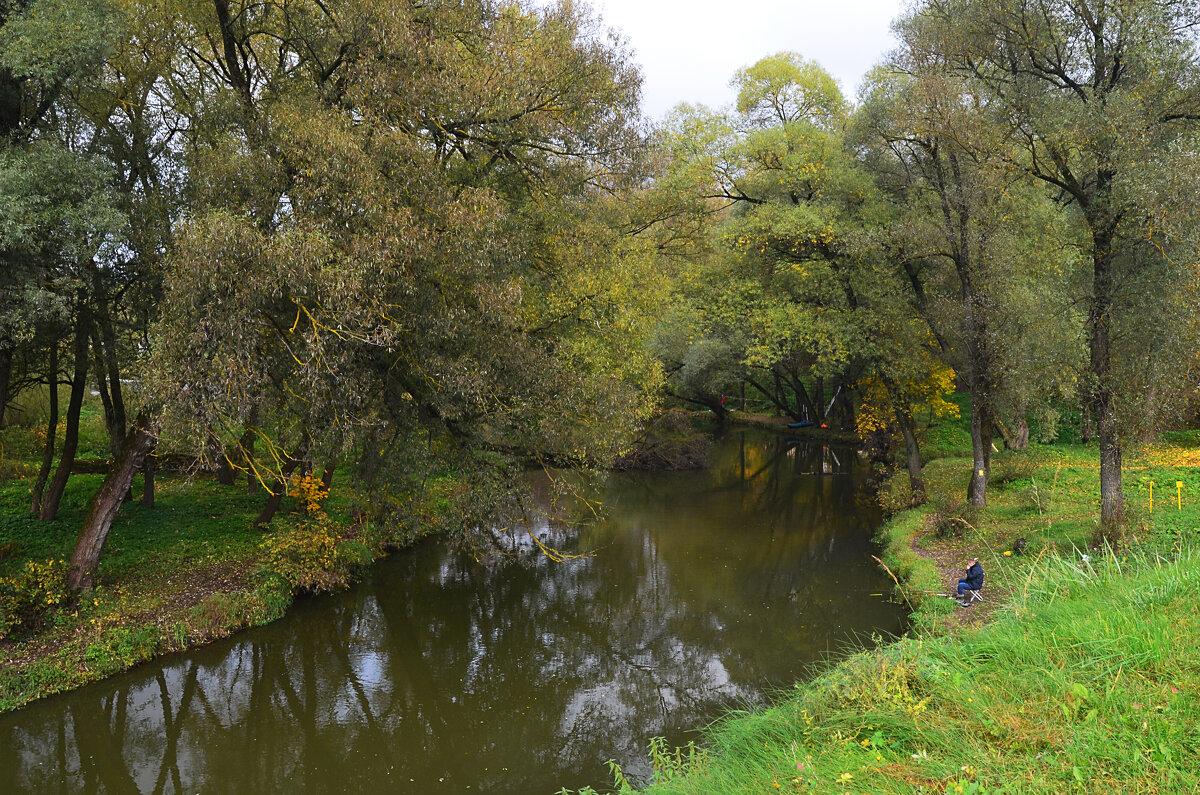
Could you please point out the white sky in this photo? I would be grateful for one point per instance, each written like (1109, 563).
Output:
(689, 49)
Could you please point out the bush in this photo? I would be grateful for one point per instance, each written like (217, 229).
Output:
(953, 518)
(25, 597)
(274, 594)
(310, 556)
(1011, 468)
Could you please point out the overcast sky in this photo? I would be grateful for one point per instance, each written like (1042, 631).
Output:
(689, 49)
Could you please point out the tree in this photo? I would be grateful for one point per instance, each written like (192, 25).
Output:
(1093, 96)
(405, 243)
(967, 233)
(790, 200)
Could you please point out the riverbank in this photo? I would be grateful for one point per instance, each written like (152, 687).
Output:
(192, 569)
(175, 576)
(1078, 672)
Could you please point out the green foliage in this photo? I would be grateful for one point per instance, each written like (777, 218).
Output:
(784, 88)
(431, 267)
(274, 594)
(55, 40)
(26, 597)
(120, 647)
(310, 556)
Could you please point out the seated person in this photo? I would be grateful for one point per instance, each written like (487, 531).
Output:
(974, 579)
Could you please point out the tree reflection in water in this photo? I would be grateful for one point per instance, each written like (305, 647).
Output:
(705, 591)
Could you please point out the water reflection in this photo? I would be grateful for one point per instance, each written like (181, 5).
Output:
(438, 674)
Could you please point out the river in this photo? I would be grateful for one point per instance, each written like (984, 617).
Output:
(696, 593)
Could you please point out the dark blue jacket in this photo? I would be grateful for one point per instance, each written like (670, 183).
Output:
(975, 576)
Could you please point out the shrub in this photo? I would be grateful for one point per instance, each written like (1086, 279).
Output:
(121, 647)
(354, 553)
(274, 593)
(954, 518)
(310, 558)
(26, 596)
(1011, 468)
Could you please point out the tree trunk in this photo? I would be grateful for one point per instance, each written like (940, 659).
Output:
(327, 476)
(277, 491)
(1021, 440)
(114, 442)
(148, 481)
(982, 433)
(71, 438)
(224, 470)
(912, 449)
(108, 384)
(105, 504)
(1112, 497)
(912, 452)
(717, 408)
(806, 402)
(220, 462)
(39, 486)
(6, 356)
(956, 212)
(1103, 402)
(771, 395)
(108, 351)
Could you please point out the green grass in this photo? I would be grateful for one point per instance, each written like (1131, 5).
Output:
(187, 571)
(1085, 679)
(1090, 682)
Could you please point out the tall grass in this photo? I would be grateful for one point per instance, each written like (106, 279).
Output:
(1088, 683)
(1086, 680)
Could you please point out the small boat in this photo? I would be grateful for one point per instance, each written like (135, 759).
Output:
(805, 424)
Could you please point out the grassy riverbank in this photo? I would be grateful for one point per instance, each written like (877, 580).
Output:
(191, 569)
(1079, 674)
(178, 575)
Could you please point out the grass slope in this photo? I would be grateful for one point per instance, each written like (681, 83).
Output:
(1082, 676)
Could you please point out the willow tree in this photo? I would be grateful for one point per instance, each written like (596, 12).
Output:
(789, 202)
(968, 234)
(1093, 98)
(404, 245)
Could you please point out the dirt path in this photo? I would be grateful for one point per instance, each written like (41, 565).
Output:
(951, 556)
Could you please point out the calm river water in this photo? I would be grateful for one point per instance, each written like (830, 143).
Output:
(705, 591)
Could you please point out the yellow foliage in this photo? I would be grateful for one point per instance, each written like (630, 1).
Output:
(306, 556)
(310, 490)
(875, 409)
(26, 595)
(934, 389)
